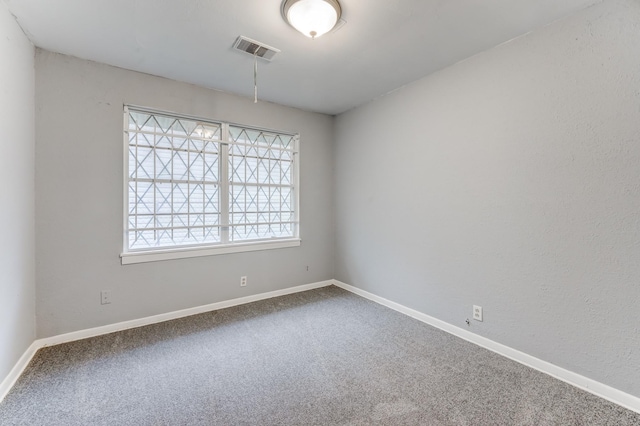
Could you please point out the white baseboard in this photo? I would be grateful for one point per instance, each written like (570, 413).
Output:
(125, 325)
(17, 369)
(22, 363)
(599, 389)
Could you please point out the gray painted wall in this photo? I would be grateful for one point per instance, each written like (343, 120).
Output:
(79, 174)
(511, 181)
(17, 285)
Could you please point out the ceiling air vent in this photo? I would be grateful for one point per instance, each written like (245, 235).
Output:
(255, 48)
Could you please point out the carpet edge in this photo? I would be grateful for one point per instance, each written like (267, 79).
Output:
(10, 380)
(594, 387)
(17, 369)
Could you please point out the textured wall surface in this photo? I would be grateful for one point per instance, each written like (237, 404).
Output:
(79, 200)
(511, 181)
(17, 287)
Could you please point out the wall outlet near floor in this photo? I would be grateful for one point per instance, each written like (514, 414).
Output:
(105, 297)
(243, 281)
(477, 313)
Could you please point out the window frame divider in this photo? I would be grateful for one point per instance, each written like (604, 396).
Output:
(224, 191)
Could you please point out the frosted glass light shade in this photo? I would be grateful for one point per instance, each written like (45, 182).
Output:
(312, 18)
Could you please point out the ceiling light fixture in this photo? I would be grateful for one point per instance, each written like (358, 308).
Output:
(312, 18)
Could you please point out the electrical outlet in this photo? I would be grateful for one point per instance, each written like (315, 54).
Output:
(477, 313)
(243, 281)
(105, 297)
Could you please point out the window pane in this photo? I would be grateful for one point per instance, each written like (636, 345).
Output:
(174, 183)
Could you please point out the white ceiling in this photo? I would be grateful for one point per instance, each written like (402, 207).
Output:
(384, 45)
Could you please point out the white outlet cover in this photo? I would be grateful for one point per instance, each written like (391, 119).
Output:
(477, 313)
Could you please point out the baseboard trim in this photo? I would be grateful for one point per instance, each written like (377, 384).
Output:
(589, 385)
(24, 360)
(17, 369)
(125, 325)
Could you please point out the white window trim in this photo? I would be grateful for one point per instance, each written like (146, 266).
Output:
(141, 256)
(187, 252)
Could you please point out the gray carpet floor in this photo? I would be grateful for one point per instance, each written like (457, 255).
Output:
(322, 357)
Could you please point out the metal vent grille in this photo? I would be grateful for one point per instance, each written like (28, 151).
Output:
(256, 48)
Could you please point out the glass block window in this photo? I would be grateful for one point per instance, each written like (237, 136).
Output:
(261, 188)
(194, 182)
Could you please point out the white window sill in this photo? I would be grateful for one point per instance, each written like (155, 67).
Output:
(183, 253)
